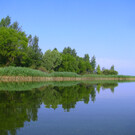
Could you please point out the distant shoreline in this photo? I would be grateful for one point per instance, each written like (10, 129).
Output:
(43, 79)
(22, 74)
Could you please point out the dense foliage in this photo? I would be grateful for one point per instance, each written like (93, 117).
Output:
(21, 71)
(21, 50)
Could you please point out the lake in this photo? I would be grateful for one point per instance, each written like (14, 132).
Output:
(67, 108)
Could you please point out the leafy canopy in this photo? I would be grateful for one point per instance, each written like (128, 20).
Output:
(12, 45)
(51, 59)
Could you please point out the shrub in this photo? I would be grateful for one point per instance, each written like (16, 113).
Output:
(110, 72)
(43, 69)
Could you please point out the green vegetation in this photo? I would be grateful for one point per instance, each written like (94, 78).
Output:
(26, 86)
(23, 86)
(22, 105)
(98, 70)
(19, 107)
(64, 74)
(109, 76)
(51, 59)
(23, 71)
(110, 72)
(21, 50)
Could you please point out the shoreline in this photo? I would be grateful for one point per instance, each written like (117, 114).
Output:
(44, 79)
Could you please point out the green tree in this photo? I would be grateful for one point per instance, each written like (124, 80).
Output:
(82, 66)
(110, 72)
(93, 62)
(86, 57)
(34, 52)
(88, 67)
(68, 50)
(51, 59)
(15, 26)
(13, 45)
(98, 70)
(68, 63)
(112, 68)
(5, 22)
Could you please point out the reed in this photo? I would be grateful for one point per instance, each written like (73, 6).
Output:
(23, 71)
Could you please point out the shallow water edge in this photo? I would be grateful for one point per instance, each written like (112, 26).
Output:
(39, 79)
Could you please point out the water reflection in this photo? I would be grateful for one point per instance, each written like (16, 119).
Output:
(17, 107)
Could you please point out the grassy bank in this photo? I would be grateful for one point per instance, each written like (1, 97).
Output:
(109, 76)
(23, 71)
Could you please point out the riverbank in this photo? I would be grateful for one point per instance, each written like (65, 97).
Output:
(42, 79)
(22, 74)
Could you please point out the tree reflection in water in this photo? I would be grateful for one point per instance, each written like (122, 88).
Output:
(17, 107)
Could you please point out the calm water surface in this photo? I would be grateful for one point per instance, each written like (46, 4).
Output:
(67, 109)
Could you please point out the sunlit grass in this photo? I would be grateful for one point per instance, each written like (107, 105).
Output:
(64, 74)
(23, 71)
(109, 76)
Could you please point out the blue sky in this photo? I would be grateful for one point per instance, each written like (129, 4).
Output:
(104, 28)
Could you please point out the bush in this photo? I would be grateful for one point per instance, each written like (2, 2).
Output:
(110, 72)
(43, 69)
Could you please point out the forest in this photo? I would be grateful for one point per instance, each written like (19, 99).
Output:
(18, 49)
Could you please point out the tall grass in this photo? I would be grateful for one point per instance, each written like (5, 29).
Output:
(23, 71)
(64, 74)
(104, 76)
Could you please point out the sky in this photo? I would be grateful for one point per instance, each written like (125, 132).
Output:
(104, 28)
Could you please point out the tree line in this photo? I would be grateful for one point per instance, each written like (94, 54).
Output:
(19, 49)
